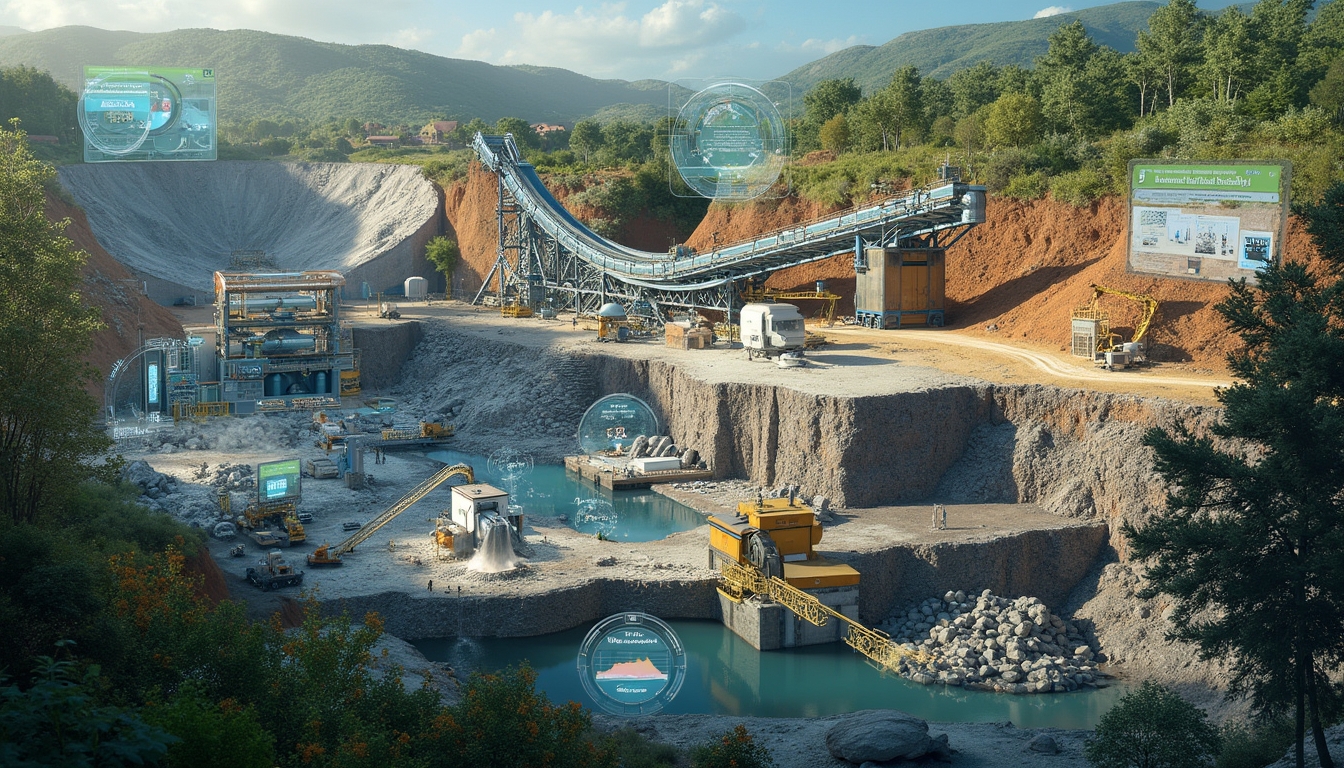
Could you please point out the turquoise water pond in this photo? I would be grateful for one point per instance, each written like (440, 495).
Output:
(726, 676)
(548, 490)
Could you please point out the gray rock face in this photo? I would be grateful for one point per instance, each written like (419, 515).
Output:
(882, 735)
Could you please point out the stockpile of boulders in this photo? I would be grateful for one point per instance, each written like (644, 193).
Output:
(234, 477)
(994, 643)
(152, 484)
(661, 446)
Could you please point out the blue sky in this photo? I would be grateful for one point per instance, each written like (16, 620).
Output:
(666, 39)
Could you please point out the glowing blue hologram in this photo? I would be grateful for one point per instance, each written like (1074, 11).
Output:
(729, 142)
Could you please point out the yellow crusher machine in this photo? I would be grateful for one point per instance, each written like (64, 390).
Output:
(767, 550)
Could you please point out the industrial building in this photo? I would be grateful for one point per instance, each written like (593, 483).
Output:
(279, 341)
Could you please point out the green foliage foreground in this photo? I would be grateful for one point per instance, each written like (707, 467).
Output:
(1153, 727)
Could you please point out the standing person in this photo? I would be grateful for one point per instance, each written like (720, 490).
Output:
(431, 585)
(942, 510)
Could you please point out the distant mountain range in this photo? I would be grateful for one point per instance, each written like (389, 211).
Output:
(942, 51)
(263, 75)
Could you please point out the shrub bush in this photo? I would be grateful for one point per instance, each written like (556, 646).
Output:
(1153, 727)
(635, 751)
(1027, 186)
(1080, 187)
(1254, 746)
(734, 749)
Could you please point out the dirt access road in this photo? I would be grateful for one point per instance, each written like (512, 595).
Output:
(1007, 363)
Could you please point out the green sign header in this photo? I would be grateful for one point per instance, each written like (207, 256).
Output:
(1220, 178)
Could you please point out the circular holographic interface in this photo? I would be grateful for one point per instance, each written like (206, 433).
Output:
(632, 664)
(611, 424)
(119, 112)
(729, 142)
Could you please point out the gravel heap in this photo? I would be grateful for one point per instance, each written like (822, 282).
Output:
(994, 643)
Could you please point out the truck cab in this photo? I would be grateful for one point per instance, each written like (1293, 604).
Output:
(772, 329)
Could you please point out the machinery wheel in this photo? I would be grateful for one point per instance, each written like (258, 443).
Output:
(763, 554)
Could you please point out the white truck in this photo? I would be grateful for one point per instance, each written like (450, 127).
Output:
(773, 329)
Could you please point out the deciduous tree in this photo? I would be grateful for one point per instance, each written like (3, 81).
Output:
(1170, 47)
(47, 431)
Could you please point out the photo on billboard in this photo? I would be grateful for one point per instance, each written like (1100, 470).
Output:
(148, 113)
(278, 480)
(1206, 221)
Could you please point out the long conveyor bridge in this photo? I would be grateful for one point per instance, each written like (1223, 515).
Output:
(544, 252)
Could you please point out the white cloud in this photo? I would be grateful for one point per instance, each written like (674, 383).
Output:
(829, 46)
(1053, 10)
(411, 37)
(605, 41)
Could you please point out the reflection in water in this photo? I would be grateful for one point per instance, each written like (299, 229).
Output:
(546, 490)
(727, 676)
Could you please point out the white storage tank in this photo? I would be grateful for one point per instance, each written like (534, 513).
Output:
(416, 288)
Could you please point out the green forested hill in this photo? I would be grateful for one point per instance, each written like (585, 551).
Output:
(940, 52)
(276, 76)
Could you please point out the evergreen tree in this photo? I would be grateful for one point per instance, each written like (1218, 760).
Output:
(1277, 28)
(1252, 543)
(1082, 85)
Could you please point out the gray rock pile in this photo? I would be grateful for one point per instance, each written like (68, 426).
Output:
(234, 477)
(881, 736)
(992, 643)
(153, 484)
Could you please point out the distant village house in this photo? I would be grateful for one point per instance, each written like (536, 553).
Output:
(542, 129)
(384, 141)
(438, 132)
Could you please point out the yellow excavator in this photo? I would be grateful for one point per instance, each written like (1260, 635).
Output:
(327, 555)
(1109, 350)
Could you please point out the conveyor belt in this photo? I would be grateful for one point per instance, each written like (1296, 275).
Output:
(543, 244)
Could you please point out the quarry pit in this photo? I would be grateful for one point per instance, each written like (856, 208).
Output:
(1038, 459)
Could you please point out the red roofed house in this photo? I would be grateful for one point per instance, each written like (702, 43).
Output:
(438, 131)
(544, 128)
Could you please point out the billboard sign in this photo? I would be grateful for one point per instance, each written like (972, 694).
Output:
(278, 480)
(148, 113)
(1206, 221)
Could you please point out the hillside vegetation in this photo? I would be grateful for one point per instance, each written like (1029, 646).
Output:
(942, 51)
(263, 75)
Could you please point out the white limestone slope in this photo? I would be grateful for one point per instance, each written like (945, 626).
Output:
(179, 222)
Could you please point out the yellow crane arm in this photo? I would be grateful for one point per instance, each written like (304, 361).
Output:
(875, 645)
(1148, 303)
(417, 493)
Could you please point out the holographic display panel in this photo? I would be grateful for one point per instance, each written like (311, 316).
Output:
(612, 424)
(148, 113)
(728, 142)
